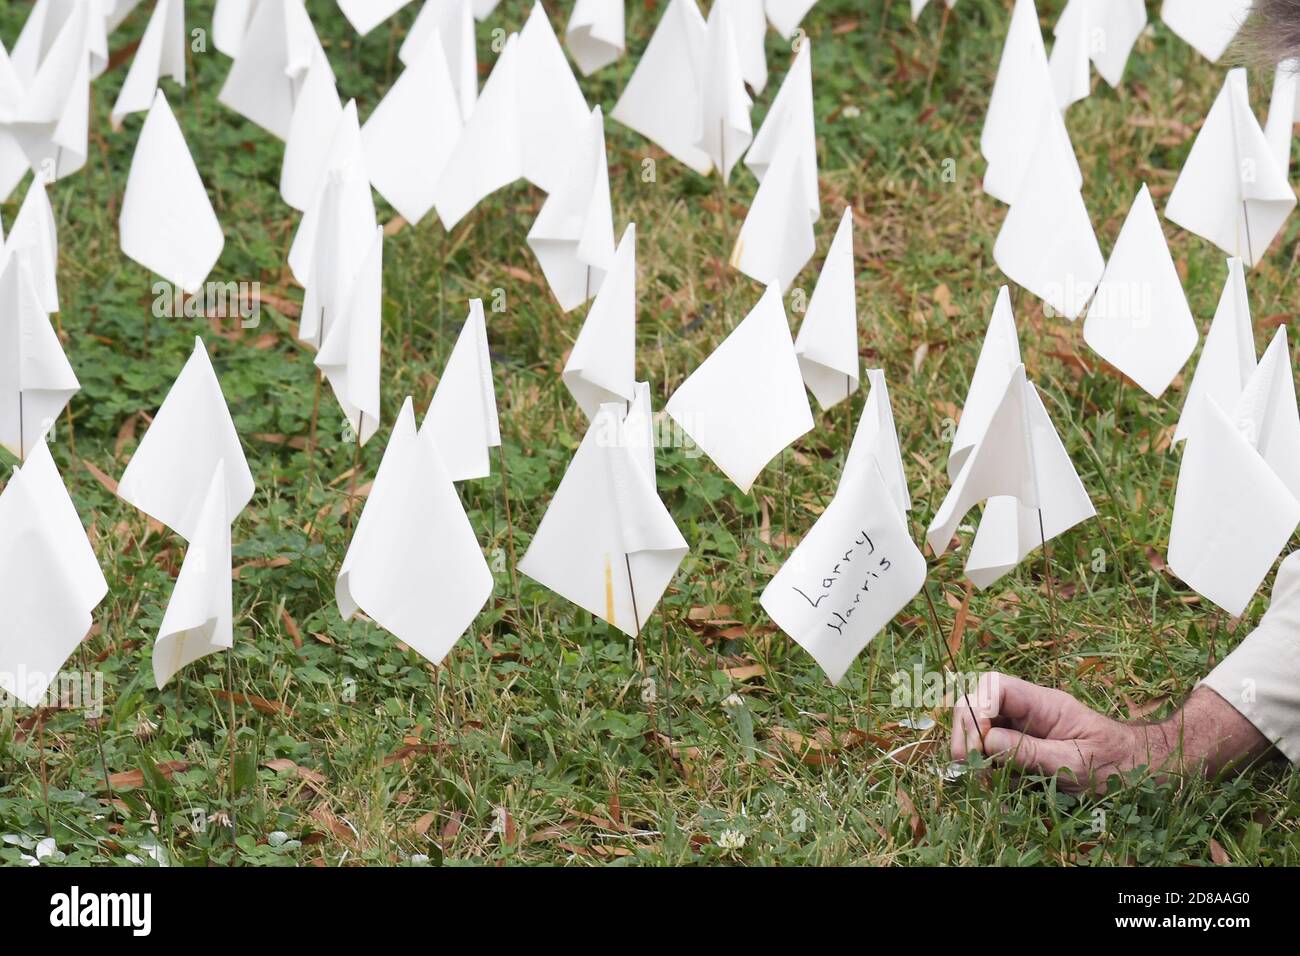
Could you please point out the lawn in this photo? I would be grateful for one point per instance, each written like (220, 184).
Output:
(546, 737)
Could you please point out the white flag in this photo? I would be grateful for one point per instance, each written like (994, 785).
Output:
(1228, 359)
(998, 360)
(746, 402)
(276, 52)
(553, 113)
(595, 34)
(776, 240)
(1232, 514)
(169, 475)
(606, 533)
(335, 233)
(1047, 244)
(489, 154)
(1231, 190)
(1279, 128)
(1139, 320)
(199, 619)
(850, 575)
(786, 15)
(50, 581)
(412, 132)
(230, 22)
(663, 99)
(161, 53)
(43, 32)
(791, 118)
(749, 28)
(1207, 27)
(453, 23)
(483, 8)
(316, 116)
(827, 343)
(1266, 413)
(365, 15)
(462, 418)
(875, 445)
(35, 233)
(349, 353)
(723, 129)
(1023, 114)
(573, 236)
(602, 366)
(36, 381)
(414, 566)
(13, 161)
(1093, 32)
(168, 224)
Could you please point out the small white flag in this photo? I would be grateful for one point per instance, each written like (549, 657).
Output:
(50, 581)
(827, 343)
(850, 575)
(595, 34)
(1279, 128)
(663, 99)
(606, 542)
(749, 27)
(1139, 320)
(414, 566)
(316, 116)
(349, 354)
(199, 619)
(483, 9)
(1093, 32)
(998, 360)
(1231, 190)
(1207, 27)
(43, 32)
(161, 53)
(169, 475)
(365, 15)
(35, 233)
(786, 15)
(723, 129)
(230, 22)
(746, 402)
(776, 240)
(1267, 415)
(1232, 514)
(1228, 359)
(412, 132)
(167, 223)
(875, 444)
(602, 366)
(36, 381)
(553, 113)
(791, 118)
(573, 236)
(453, 23)
(462, 418)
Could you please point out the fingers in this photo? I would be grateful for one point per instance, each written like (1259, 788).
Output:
(973, 716)
(1029, 708)
(1034, 754)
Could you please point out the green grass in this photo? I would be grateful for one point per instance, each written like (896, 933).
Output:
(534, 743)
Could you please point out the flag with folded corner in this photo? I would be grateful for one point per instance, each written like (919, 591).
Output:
(602, 366)
(1047, 244)
(827, 343)
(36, 381)
(998, 360)
(230, 21)
(1021, 468)
(573, 236)
(723, 129)
(316, 115)
(663, 98)
(414, 566)
(1267, 415)
(746, 402)
(786, 15)
(606, 541)
(776, 240)
(274, 55)
(553, 113)
(1233, 514)
(169, 475)
(1139, 320)
(336, 232)
(453, 23)
(462, 417)
(791, 118)
(1100, 33)
(43, 32)
(1282, 108)
(365, 15)
(876, 440)
(199, 619)
(595, 34)
(161, 53)
(1228, 359)
(349, 354)
(35, 232)
(1023, 114)
(411, 133)
(1231, 190)
(854, 571)
(1208, 28)
(489, 153)
(483, 8)
(749, 28)
(50, 581)
(167, 223)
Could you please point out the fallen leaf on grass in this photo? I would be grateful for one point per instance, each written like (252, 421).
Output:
(1218, 854)
(908, 809)
(130, 779)
(746, 672)
(285, 765)
(817, 748)
(332, 824)
(259, 704)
